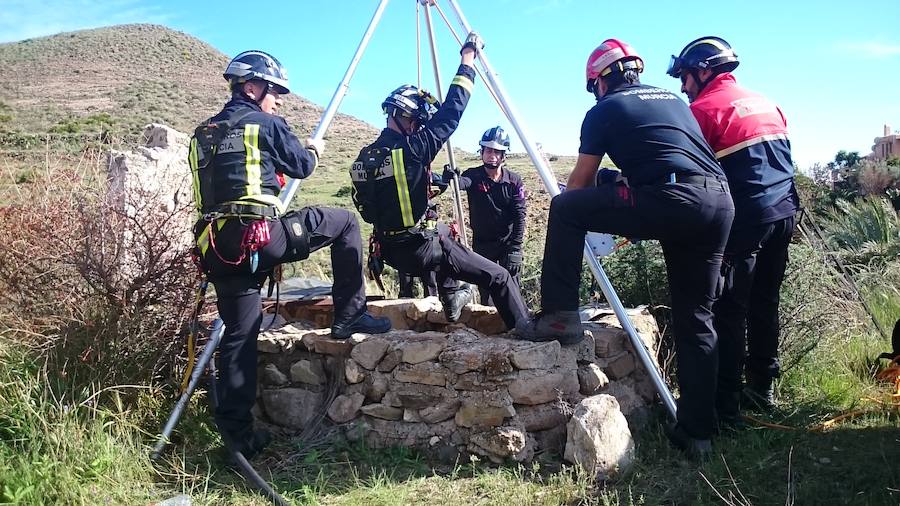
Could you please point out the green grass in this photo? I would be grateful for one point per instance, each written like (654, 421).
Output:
(89, 448)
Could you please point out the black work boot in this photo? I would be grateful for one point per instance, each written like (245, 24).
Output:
(759, 392)
(698, 450)
(562, 326)
(250, 443)
(364, 324)
(453, 302)
(728, 411)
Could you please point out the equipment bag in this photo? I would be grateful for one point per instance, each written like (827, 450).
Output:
(294, 223)
(364, 173)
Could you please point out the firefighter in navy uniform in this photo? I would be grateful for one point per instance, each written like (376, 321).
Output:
(237, 158)
(748, 133)
(671, 189)
(496, 206)
(391, 180)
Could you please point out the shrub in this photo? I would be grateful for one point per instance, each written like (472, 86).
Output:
(96, 286)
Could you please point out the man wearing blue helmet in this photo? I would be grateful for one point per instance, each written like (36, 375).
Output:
(496, 206)
(391, 189)
(238, 159)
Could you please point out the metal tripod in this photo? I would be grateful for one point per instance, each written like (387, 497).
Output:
(595, 244)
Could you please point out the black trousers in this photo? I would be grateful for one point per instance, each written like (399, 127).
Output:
(407, 288)
(746, 315)
(692, 223)
(495, 251)
(240, 306)
(452, 262)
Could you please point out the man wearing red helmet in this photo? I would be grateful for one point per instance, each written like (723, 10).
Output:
(671, 189)
(749, 136)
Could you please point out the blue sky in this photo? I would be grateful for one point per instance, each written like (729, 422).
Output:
(833, 66)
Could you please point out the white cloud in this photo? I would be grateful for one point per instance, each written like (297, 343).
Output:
(25, 19)
(873, 49)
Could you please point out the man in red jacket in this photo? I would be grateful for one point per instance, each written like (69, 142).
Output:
(748, 133)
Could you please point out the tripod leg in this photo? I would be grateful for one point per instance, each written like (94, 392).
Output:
(196, 374)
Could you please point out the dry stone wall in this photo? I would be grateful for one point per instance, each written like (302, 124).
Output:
(454, 390)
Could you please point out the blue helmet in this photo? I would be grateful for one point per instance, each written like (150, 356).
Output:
(495, 138)
(705, 53)
(257, 65)
(411, 102)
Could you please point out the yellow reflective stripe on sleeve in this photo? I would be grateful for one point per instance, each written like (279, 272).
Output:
(251, 146)
(463, 82)
(195, 173)
(402, 187)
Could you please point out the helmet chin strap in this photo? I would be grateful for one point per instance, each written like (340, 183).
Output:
(695, 73)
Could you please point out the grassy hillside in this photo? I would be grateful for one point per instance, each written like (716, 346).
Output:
(120, 78)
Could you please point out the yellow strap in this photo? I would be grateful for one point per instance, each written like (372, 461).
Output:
(195, 172)
(402, 187)
(463, 82)
(251, 146)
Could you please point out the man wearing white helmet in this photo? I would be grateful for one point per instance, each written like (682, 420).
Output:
(496, 206)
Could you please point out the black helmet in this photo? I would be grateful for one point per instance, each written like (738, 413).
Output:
(704, 53)
(495, 138)
(411, 102)
(251, 65)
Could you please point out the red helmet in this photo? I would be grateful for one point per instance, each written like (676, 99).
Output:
(612, 55)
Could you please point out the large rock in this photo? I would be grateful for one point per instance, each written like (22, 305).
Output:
(422, 348)
(394, 310)
(345, 407)
(598, 438)
(536, 355)
(310, 372)
(499, 443)
(369, 352)
(484, 409)
(538, 387)
(543, 416)
(291, 407)
(425, 373)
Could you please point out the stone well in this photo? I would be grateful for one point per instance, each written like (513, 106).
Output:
(453, 390)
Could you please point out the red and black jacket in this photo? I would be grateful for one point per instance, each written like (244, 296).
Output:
(748, 133)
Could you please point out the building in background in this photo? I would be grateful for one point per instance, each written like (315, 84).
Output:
(887, 146)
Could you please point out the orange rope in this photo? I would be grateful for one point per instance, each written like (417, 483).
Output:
(889, 374)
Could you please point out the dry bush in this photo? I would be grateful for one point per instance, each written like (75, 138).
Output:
(95, 282)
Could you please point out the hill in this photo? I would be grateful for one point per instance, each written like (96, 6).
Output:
(118, 79)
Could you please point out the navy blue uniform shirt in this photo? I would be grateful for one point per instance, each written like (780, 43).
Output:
(648, 133)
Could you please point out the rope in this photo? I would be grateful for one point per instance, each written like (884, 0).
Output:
(418, 48)
(891, 374)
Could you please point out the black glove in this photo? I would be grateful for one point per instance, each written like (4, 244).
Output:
(448, 174)
(513, 262)
(439, 182)
(608, 176)
(474, 41)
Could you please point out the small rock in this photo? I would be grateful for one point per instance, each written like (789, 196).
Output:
(344, 407)
(353, 372)
(382, 411)
(309, 372)
(273, 376)
(369, 352)
(591, 379)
